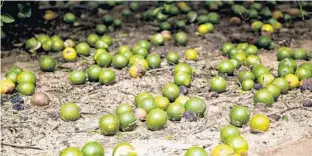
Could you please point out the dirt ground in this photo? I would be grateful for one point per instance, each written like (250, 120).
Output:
(40, 132)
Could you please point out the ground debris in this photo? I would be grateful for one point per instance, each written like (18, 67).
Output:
(307, 84)
(274, 117)
(190, 116)
(307, 103)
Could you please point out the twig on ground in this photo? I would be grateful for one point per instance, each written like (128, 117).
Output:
(294, 108)
(22, 146)
(300, 9)
(160, 69)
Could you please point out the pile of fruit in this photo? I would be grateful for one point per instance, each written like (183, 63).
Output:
(241, 61)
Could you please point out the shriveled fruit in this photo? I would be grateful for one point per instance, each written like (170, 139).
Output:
(39, 99)
(196, 105)
(175, 111)
(135, 58)
(228, 131)
(69, 43)
(107, 76)
(156, 119)
(137, 71)
(70, 112)
(109, 124)
(47, 63)
(162, 102)
(239, 115)
(264, 96)
(140, 113)
(196, 151)
(127, 121)
(259, 123)
(218, 84)
(69, 54)
(71, 151)
(77, 77)
(93, 148)
(171, 91)
(7, 86)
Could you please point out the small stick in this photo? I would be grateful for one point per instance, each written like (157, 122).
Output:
(159, 69)
(301, 10)
(21, 146)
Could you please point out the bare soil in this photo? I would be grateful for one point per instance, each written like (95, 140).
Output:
(39, 131)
